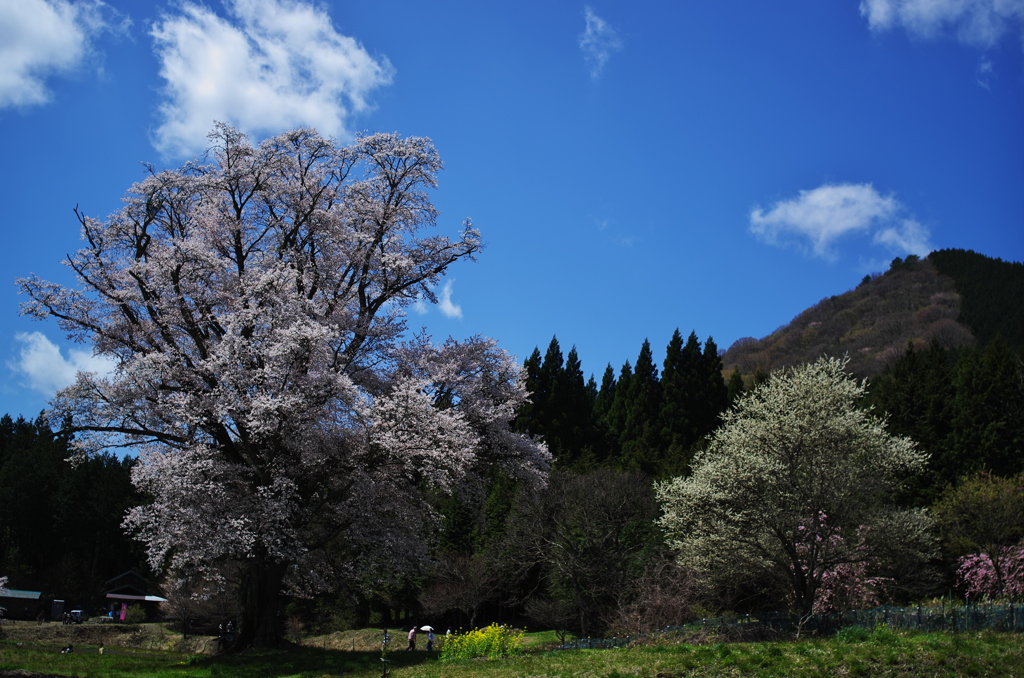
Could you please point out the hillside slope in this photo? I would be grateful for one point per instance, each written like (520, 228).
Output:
(954, 298)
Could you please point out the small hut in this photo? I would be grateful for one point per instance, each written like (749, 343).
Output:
(20, 604)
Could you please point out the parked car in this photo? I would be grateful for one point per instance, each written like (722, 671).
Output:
(77, 616)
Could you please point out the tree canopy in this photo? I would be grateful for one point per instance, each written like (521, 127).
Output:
(253, 306)
(796, 483)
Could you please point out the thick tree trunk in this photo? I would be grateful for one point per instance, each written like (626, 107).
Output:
(261, 624)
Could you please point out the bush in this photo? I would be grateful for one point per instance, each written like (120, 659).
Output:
(883, 634)
(493, 642)
(853, 634)
(135, 615)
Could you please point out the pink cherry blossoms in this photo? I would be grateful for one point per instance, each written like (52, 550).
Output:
(254, 306)
(983, 576)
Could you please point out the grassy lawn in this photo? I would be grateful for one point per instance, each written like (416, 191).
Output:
(883, 653)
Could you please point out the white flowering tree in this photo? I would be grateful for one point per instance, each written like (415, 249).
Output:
(796, 488)
(254, 308)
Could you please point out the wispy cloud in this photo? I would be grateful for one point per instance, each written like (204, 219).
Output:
(444, 302)
(40, 362)
(980, 23)
(818, 218)
(43, 38)
(613, 234)
(907, 236)
(983, 74)
(269, 66)
(598, 42)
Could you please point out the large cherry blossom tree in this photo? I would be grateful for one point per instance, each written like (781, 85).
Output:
(253, 305)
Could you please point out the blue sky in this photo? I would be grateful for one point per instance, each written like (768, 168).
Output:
(633, 166)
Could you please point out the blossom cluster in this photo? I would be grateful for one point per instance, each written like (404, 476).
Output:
(493, 642)
(983, 576)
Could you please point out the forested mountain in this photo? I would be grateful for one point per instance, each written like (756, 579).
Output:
(953, 298)
(940, 339)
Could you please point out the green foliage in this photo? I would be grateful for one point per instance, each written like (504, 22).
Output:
(561, 406)
(493, 642)
(135, 615)
(883, 634)
(965, 407)
(60, 524)
(583, 539)
(797, 482)
(636, 421)
(915, 655)
(853, 634)
(981, 514)
(735, 386)
(992, 290)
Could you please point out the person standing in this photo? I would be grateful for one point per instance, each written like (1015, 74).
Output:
(430, 640)
(412, 639)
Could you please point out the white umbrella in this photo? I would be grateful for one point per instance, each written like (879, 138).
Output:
(426, 628)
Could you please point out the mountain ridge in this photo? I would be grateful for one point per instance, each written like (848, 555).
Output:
(953, 298)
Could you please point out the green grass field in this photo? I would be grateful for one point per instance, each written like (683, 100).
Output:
(881, 653)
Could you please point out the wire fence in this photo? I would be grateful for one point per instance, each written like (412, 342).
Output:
(953, 618)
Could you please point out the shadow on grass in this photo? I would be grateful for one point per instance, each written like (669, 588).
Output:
(309, 662)
(291, 660)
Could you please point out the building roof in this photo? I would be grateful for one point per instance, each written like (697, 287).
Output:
(26, 595)
(128, 574)
(148, 599)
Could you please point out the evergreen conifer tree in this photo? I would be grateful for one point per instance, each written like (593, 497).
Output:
(618, 413)
(716, 394)
(640, 436)
(674, 418)
(735, 386)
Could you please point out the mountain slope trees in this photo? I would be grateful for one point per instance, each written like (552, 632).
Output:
(965, 408)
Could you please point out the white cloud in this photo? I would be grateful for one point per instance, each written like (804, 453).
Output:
(980, 23)
(46, 370)
(820, 217)
(272, 65)
(41, 38)
(444, 302)
(598, 42)
(908, 237)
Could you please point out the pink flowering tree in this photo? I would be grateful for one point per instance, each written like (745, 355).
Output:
(997, 574)
(287, 423)
(840, 567)
(981, 521)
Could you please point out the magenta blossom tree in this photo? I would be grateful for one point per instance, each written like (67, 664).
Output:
(287, 423)
(995, 575)
(844, 566)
